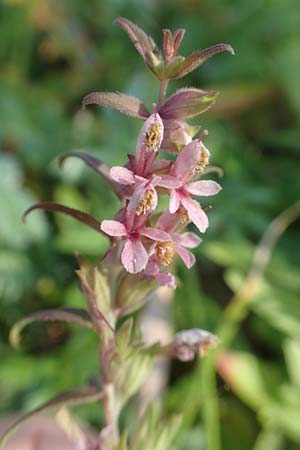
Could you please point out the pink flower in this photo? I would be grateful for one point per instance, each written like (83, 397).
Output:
(185, 168)
(144, 196)
(134, 256)
(181, 241)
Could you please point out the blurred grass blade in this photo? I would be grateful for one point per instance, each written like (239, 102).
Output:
(76, 315)
(269, 440)
(72, 397)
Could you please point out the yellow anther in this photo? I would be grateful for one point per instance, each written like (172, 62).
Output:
(203, 161)
(153, 136)
(165, 252)
(183, 216)
(147, 202)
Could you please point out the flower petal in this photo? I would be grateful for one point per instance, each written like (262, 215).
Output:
(186, 161)
(122, 175)
(203, 187)
(189, 239)
(113, 228)
(165, 279)
(174, 202)
(167, 221)
(187, 257)
(195, 213)
(146, 194)
(168, 182)
(156, 234)
(134, 256)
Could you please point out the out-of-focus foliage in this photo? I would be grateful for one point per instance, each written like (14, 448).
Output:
(52, 53)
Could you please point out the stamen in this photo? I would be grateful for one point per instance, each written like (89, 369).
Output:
(152, 137)
(203, 161)
(147, 202)
(165, 252)
(183, 216)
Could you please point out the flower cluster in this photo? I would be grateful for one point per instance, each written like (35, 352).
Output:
(150, 249)
(147, 241)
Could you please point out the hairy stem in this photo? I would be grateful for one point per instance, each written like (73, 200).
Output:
(162, 91)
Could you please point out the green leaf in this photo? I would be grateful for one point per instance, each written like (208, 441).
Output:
(152, 432)
(72, 397)
(76, 315)
(269, 439)
(131, 295)
(123, 337)
(292, 356)
(96, 289)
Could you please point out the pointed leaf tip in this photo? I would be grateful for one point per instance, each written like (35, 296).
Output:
(199, 57)
(75, 213)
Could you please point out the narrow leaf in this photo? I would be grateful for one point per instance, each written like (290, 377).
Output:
(96, 164)
(142, 42)
(186, 103)
(199, 57)
(76, 315)
(72, 397)
(131, 106)
(75, 213)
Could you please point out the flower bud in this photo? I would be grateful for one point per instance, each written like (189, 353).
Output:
(188, 343)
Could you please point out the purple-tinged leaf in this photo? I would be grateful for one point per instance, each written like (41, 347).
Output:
(76, 315)
(199, 57)
(72, 397)
(142, 42)
(187, 102)
(178, 36)
(97, 165)
(126, 104)
(168, 44)
(75, 213)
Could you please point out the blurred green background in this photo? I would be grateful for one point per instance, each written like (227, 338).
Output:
(52, 53)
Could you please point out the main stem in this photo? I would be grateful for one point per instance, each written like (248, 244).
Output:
(162, 91)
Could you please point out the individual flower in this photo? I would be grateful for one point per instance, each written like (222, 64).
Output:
(143, 196)
(134, 256)
(184, 169)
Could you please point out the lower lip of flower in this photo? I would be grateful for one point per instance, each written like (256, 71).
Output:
(146, 203)
(165, 252)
